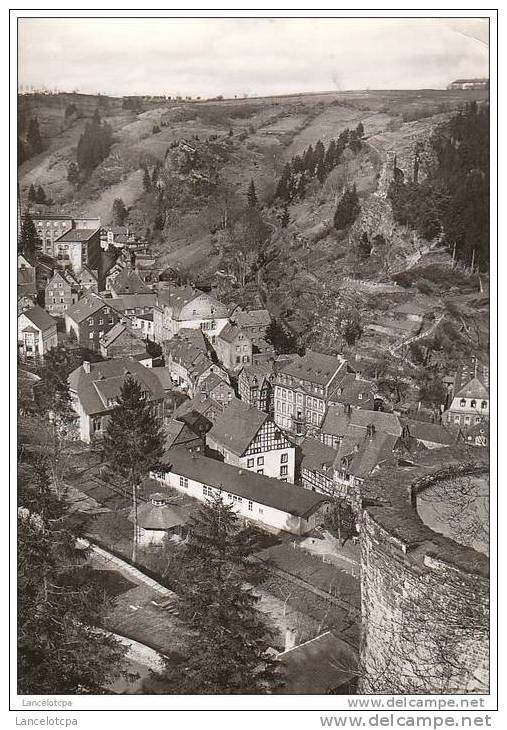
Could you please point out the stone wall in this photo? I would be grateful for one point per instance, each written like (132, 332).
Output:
(425, 608)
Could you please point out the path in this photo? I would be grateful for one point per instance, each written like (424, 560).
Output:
(414, 338)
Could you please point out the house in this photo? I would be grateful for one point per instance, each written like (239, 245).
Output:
(359, 455)
(356, 393)
(144, 323)
(133, 305)
(430, 435)
(95, 387)
(90, 319)
(78, 247)
(117, 236)
(27, 281)
(262, 352)
(317, 466)
(121, 341)
(185, 307)
(62, 291)
(248, 438)
(342, 422)
(303, 388)
(233, 347)
(468, 84)
(254, 323)
(255, 386)
(157, 519)
(202, 406)
(88, 279)
(179, 433)
(470, 396)
(214, 386)
(188, 365)
(36, 333)
(267, 502)
(126, 281)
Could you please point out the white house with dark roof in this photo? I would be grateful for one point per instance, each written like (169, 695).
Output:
(233, 347)
(78, 247)
(95, 388)
(303, 388)
(470, 397)
(248, 438)
(185, 307)
(36, 333)
(270, 503)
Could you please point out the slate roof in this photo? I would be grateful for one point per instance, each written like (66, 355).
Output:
(79, 235)
(128, 282)
(88, 305)
(431, 432)
(120, 329)
(26, 282)
(39, 318)
(351, 388)
(252, 318)
(105, 381)
(318, 666)
(261, 372)
(271, 492)
(315, 367)
(133, 301)
(229, 333)
(201, 403)
(159, 517)
(212, 381)
(371, 452)
(190, 357)
(164, 377)
(237, 426)
(466, 372)
(317, 456)
(383, 422)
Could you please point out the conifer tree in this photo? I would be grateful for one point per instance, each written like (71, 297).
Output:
(347, 209)
(29, 241)
(62, 648)
(252, 195)
(321, 171)
(133, 441)
(32, 195)
(360, 130)
(146, 180)
(120, 213)
(33, 136)
(230, 655)
(285, 219)
(40, 195)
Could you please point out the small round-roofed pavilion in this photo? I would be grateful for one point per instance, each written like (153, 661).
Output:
(158, 518)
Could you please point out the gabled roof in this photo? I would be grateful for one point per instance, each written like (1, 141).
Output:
(190, 357)
(26, 282)
(370, 453)
(315, 367)
(132, 301)
(87, 274)
(317, 456)
(121, 330)
(87, 306)
(252, 318)
(212, 381)
(473, 389)
(468, 371)
(230, 333)
(39, 318)
(177, 297)
(349, 390)
(264, 490)
(338, 423)
(256, 374)
(237, 426)
(66, 276)
(105, 380)
(77, 235)
(128, 282)
(431, 432)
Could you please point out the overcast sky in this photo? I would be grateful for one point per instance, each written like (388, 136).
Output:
(207, 57)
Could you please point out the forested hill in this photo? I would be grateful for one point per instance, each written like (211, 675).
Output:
(454, 197)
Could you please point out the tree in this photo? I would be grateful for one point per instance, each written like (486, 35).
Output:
(32, 195)
(347, 209)
(283, 339)
(29, 241)
(252, 195)
(156, 129)
(158, 223)
(360, 130)
(341, 521)
(285, 218)
(231, 653)
(62, 646)
(351, 327)
(119, 212)
(33, 136)
(73, 173)
(40, 196)
(94, 144)
(146, 180)
(133, 441)
(321, 171)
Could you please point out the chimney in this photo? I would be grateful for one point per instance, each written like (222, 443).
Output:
(290, 638)
(347, 408)
(87, 366)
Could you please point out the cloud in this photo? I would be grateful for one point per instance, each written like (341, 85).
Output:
(229, 56)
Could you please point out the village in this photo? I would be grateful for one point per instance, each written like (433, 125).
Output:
(297, 443)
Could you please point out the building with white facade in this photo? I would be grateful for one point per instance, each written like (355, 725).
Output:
(182, 307)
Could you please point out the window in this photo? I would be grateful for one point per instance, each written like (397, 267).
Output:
(484, 404)
(261, 511)
(90, 336)
(462, 403)
(249, 463)
(360, 396)
(250, 505)
(90, 322)
(111, 320)
(284, 470)
(456, 419)
(477, 419)
(184, 482)
(278, 436)
(260, 461)
(260, 471)
(284, 458)
(473, 404)
(101, 321)
(467, 419)
(106, 310)
(238, 358)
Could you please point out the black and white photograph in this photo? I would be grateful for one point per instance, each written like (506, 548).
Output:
(255, 363)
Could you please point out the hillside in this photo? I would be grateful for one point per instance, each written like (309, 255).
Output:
(312, 277)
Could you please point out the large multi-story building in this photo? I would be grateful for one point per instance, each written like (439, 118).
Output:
(77, 248)
(248, 438)
(233, 347)
(52, 227)
(303, 388)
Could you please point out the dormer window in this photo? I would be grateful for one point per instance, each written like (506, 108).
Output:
(462, 403)
(484, 404)
(473, 404)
